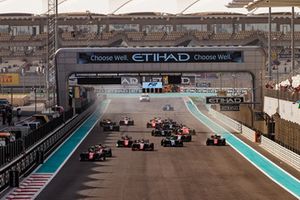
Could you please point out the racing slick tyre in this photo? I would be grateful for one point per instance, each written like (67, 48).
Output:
(209, 142)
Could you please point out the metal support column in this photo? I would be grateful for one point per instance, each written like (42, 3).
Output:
(293, 41)
(269, 45)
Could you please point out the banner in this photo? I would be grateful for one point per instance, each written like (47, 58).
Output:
(147, 85)
(233, 107)
(9, 79)
(160, 57)
(224, 100)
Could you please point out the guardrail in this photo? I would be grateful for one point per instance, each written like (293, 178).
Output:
(15, 148)
(284, 154)
(249, 133)
(275, 149)
(31, 157)
(228, 121)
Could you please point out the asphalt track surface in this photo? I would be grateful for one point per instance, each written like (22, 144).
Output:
(195, 171)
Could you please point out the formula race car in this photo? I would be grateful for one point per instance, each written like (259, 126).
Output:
(111, 127)
(185, 130)
(105, 149)
(145, 98)
(161, 132)
(168, 107)
(126, 141)
(126, 121)
(105, 122)
(216, 140)
(93, 154)
(154, 123)
(184, 138)
(171, 141)
(142, 145)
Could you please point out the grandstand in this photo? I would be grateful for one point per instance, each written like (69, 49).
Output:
(23, 36)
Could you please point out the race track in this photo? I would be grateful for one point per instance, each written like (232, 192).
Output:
(195, 171)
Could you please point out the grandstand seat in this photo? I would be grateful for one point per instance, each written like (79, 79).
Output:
(135, 36)
(154, 36)
(202, 35)
(174, 35)
(221, 36)
(22, 37)
(5, 36)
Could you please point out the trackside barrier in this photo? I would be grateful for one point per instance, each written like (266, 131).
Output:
(275, 149)
(29, 158)
(280, 152)
(249, 133)
(228, 121)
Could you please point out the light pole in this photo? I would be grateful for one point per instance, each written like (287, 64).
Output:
(11, 96)
(234, 84)
(35, 107)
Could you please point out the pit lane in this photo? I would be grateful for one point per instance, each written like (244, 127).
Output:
(195, 171)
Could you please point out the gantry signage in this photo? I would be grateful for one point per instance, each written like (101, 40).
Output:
(159, 57)
(232, 107)
(148, 85)
(224, 100)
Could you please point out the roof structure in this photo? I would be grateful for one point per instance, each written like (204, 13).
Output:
(272, 3)
(121, 7)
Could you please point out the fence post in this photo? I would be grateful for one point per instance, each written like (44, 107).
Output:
(14, 178)
(40, 157)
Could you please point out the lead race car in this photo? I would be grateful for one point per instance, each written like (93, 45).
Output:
(93, 154)
(216, 140)
(125, 141)
(142, 145)
(126, 121)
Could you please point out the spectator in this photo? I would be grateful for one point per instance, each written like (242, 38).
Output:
(9, 117)
(3, 116)
(19, 112)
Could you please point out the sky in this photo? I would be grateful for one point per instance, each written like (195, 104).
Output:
(112, 6)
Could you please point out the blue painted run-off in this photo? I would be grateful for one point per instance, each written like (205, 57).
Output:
(54, 162)
(277, 174)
